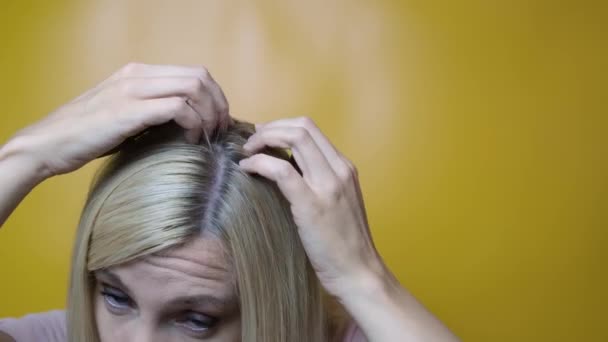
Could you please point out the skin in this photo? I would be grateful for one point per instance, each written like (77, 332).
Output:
(326, 202)
(184, 294)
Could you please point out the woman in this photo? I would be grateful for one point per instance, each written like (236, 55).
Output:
(200, 227)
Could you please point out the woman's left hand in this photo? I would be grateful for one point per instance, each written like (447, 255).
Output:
(328, 209)
(326, 200)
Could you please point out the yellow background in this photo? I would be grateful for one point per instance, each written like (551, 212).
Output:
(478, 128)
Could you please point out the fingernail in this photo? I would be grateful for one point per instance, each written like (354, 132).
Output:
(243, 161)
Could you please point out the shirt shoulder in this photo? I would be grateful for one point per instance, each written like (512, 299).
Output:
(46, 326)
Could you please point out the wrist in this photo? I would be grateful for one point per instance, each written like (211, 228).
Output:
(22, 158)
(371, 284)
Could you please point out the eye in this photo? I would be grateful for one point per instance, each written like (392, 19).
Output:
(116, 300)
(196, 324)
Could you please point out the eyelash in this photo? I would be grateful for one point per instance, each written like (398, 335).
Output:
(116, 303)
(119, 303)
(202, 323)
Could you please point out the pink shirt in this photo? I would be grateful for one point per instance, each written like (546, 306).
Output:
(51, 327)
(47, 326)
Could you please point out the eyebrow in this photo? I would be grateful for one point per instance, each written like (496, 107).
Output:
(175, 303)
(198, 300)
(112, 278)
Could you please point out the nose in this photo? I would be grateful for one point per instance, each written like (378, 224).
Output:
(142, 335)
(145, 332)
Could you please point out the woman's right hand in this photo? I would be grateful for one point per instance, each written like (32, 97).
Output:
(134, 98)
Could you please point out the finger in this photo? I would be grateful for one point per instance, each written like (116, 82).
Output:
(154, 87)
(327, 148)
(281, 172)
(157, 70)
(341, 166)
(152, 112)
(192, 87)
(164, 70)
(355, 182)
(143, 70)
(141, 115)
(307, 154)
(221, 103)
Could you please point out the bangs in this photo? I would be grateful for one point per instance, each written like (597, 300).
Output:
(151, 208)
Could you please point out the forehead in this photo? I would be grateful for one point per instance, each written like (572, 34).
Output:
(203, 257)
(199, 267)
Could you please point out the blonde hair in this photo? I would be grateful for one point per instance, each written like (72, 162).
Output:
(159, 191)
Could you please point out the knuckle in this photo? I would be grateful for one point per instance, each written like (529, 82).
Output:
(284, 170)
(351, 167)
(344, 172)
(177, 104)
(130, 68)
(306, 122)
(195, 84)
(202, 73)
(223, 108)
(333, 190)
(125, 87)
(354, 170)
(300, 135)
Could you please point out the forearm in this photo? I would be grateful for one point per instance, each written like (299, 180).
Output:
(19, 174)
(385, 311)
